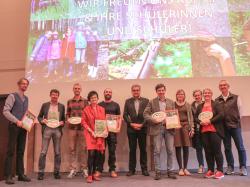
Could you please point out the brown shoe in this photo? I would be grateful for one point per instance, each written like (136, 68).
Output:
(96, 178)
(97, 174)
(171, 175)
(113, 174)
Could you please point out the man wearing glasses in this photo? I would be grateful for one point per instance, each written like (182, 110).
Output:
(232, 108)
(136, 129)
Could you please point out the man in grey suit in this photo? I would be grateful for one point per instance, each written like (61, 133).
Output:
(136, 129)
(159, 131)
(55, 111)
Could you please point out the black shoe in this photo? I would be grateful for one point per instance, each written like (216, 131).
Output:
(40, 176)
(130, 173)
(157, 175)
(172, 175)
(24, 178)
(145, 173)
(9, 180)
(57, 175)
(229, 171)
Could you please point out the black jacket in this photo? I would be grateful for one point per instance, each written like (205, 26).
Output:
(130, 115)
(231, 111)
(43, 114)
(217, 119)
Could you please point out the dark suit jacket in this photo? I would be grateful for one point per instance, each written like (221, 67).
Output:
(130, 115)
(43, 114)
(217, 119)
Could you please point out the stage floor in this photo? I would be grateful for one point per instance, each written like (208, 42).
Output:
(137, 180)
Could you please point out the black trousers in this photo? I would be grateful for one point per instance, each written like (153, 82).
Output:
(111, 141)
(212, 146)
(141, 138)
(94, 161)
(185, 156)
(16, 144)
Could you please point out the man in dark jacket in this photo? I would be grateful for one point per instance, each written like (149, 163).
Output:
(52, 119)
(136, 129)
(232, 109)
(159, 132)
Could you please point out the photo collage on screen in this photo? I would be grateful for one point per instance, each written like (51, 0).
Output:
(74, 40)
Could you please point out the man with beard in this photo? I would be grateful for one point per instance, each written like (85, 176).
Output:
(14, 109)
(112, 108)
(75, 107)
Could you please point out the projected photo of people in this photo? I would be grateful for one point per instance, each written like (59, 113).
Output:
(66, 54)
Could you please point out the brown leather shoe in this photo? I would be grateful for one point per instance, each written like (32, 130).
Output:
(172, 175)
(113, 174)
(97, 174)
(130, 173)
(96, 178)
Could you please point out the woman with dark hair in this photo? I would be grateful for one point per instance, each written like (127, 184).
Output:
(197, 142)
(182, 138)
(210, 118)
(95, 145)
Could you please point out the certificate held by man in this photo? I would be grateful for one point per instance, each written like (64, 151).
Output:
(172, 119)
(53, 119)
(28, 121)
(101, 129)
(113, 122)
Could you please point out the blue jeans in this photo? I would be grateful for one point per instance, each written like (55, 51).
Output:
(234, 133)
(53, 65)
(168, 137)
(80, 55)
(199, 148)
(56, 136)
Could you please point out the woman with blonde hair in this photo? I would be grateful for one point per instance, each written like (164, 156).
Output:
(210, 118)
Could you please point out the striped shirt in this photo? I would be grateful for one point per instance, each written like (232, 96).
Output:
(74, 109)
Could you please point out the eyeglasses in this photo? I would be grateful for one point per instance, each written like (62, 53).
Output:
(222, 84)
(135, 90)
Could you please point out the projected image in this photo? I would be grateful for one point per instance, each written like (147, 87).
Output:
(241, 40)
(140, 59)
(67, 56)
(77, 40)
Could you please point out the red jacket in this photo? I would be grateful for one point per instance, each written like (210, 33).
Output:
(88, 121)
(68, 48)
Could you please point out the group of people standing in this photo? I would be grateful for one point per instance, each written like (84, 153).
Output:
(75, 53)
(224, 125)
